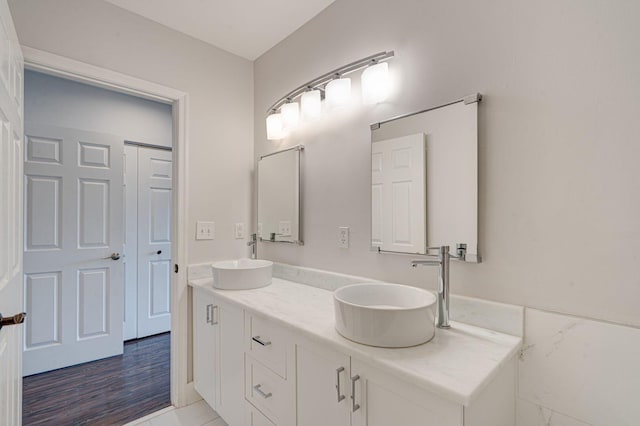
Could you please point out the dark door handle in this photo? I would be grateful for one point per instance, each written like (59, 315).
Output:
(14, 320)
(159, 252)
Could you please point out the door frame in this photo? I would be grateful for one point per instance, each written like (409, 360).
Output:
(182, 391)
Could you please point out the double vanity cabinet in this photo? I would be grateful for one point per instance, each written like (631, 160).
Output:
(271, 356)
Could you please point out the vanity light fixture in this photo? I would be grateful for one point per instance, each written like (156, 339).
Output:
(336, 87)
(338, 91)
(290, 115)
(375, 83)
(275, 126)
(311, 104)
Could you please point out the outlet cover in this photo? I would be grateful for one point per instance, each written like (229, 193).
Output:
(205, 230)
(285, 228)
(343, 237)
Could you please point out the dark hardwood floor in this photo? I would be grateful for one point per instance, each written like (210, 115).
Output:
(112, 391)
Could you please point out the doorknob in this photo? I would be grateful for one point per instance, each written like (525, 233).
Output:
(114, 256)
(159, 252)
(16, 319)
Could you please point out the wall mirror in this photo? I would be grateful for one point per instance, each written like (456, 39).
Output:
(424, 180)
(279, 209)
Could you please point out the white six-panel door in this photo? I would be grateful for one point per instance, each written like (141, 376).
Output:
(398, 194)
(154, 241)
(130, 326)
(73, 280)
(147, 220)
(11, 151)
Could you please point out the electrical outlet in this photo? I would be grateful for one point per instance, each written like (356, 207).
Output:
(205, 230)
(239, 231)
(343, 237)
(285, 228)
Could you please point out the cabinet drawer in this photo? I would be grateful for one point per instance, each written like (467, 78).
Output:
(253, 417)
(267, 343)
(267, 391)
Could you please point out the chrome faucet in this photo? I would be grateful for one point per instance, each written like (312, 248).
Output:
(253, 243)
(441, 260)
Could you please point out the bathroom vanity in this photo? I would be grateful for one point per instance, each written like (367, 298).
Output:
(272, 356)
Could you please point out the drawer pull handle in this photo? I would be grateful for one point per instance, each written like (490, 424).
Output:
(261, 392)
(257, 340)
(354, 406)
(211, 314)
(338, 371)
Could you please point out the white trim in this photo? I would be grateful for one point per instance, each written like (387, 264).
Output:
(181, 391)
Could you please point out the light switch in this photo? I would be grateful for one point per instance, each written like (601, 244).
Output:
(343, 238)
(205, 230)
(239, 231)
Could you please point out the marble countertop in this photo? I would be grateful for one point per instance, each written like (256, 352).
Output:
(457, 364)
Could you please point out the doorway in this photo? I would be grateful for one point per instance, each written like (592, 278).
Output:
(182, 391)
(86, 193)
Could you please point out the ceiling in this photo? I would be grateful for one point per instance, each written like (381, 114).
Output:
(247, 28)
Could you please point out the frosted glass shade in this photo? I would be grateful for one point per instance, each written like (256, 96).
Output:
(290, 115)
(311, 104)
(338, 92)
(275, 127)
(375, 83)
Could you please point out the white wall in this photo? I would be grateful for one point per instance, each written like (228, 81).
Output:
(559, 179)
(58, 102)
(220, 91)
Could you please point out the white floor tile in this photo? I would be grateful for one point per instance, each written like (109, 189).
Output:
(196, 414)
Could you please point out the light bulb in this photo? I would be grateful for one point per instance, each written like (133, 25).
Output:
(275, 127)
(375, 83)
(290, 115)
(338, 92)
(311, 104)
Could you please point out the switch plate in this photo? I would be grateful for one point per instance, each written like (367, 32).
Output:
(343, 237)
(285, 228)
(205, 230)
(239, 230)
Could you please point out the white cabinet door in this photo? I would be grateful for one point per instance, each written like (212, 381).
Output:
(231, 364)
(11, 236)
(384, 400)
(205, 338)
(323, 386)
(154, 241)
(73, 240)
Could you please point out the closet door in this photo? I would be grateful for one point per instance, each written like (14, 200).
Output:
(130, 242)
(154, 241)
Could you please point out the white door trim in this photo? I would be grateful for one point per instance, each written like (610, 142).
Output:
(182, 392)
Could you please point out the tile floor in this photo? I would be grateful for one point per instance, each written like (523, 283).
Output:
(196, 414)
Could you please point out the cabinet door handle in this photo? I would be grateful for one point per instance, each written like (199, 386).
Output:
(261, 392)
(262, 342)
(354, 406)
(209, 313)
(215, 315)
(338, 371)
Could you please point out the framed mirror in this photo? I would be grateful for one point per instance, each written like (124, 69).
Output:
(424, 180)
(279, 209)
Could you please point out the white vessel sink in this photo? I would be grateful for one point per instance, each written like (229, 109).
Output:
(385, 315)
(241, 274)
